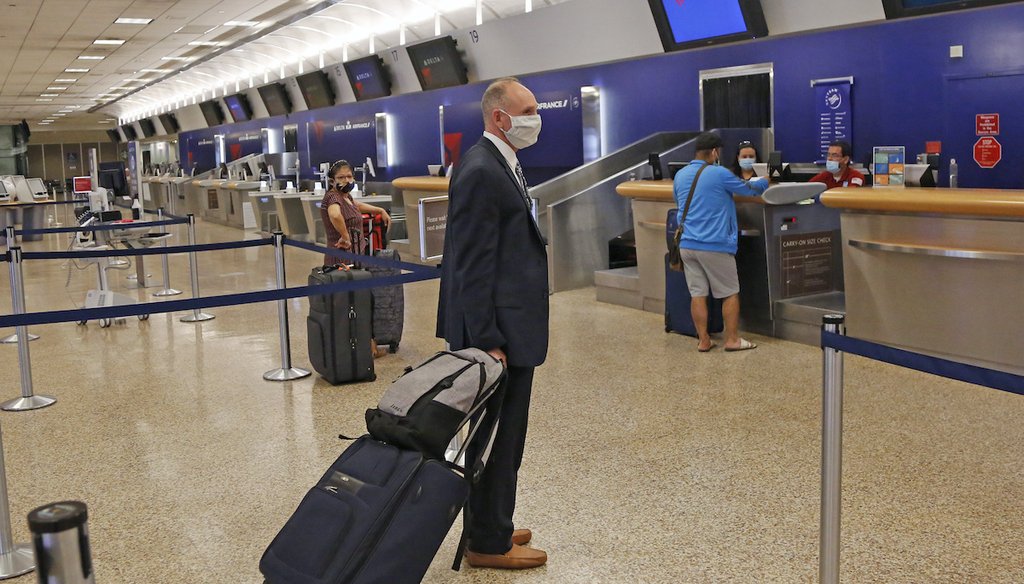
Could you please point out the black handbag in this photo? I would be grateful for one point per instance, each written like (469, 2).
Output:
(675, 260)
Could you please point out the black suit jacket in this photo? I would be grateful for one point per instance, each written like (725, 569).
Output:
(494, 274)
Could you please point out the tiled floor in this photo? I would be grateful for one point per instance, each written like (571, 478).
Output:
(646, 461)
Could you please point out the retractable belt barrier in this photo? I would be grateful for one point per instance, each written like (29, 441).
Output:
(1000, 380)
(122, 252)
(834, 344)
(360, 258)
(107, 227)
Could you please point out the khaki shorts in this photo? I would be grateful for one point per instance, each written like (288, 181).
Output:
(710, 269)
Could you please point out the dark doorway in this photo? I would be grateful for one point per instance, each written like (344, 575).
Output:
(742, 101)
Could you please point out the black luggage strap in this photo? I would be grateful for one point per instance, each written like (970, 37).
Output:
(678, 236)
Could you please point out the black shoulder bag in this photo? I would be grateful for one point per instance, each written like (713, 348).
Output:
(675, 260)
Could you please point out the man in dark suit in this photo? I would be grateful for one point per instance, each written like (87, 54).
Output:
(494, 297)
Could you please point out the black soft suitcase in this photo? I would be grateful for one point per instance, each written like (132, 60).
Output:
(378, 516)
(678, 318)
(388, 304)
(338, 328)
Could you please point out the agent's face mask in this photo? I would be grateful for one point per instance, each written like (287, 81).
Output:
(832, 166)
(747, 163)
(524, 131)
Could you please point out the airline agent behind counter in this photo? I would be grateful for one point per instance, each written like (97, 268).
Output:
(837, 171)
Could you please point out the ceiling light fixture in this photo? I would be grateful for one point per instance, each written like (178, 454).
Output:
(59, 115)
(175, 58)
(76, 70)
(133, 21)
(56, 88)
(114, 42)
(247, 23)
(64, 80)
(204, 44)
(49, 95)
(91, 57)
(41, 99)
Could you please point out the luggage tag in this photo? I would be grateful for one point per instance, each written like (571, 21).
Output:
(340, 482)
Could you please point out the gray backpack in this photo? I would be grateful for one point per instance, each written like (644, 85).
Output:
(428, 405)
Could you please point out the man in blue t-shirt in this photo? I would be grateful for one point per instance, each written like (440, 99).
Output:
(708, 245)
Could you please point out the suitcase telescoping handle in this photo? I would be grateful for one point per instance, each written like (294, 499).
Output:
(473, 472)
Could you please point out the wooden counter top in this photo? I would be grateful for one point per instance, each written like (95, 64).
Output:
(433, 184)
(983, 202)
(661, 191)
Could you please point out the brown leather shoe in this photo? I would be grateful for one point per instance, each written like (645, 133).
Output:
(521, 536)
(517, 558)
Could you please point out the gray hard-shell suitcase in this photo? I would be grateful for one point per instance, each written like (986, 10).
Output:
(388, 304)
(339, 328)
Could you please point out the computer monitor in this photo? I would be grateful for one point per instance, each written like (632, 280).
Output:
(38, 188)
(81, 185)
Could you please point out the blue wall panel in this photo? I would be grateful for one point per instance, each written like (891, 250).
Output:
(900, 69)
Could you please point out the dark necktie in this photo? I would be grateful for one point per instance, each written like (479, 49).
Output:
(523, 186)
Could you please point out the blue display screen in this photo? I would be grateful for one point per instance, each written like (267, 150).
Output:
(693, 20)
(367, 77)
(239, 111)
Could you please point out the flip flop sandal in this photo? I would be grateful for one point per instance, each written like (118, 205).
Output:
(711, 346)
(745, 345)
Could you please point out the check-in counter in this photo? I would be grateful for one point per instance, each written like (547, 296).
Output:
(154, 192)
(264, 209)
(418, 191)
(197, 194)
(937, 271)
(233, 197)
(31, 215)
(177, 187)
(314, 220)
(291, 216)
(787, 258)
(213, 203)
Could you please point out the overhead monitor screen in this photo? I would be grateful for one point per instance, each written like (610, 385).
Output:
(368, 77)
(684, 24)
(148, 127)
(170, 122)
(81, 184)
(316, 89)
(902, 8)
(129, 132)
(238, 105)
(275, 97)
(438, 64)
(212, 112)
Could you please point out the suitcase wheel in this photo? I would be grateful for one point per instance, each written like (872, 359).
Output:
(393, 347)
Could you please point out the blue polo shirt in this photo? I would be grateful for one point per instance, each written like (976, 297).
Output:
(711, 222)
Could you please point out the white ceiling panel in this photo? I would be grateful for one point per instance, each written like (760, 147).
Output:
(39, 39)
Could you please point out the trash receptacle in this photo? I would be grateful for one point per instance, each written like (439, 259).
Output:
(60, 536)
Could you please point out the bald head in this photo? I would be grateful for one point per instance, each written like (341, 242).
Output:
(503, 98)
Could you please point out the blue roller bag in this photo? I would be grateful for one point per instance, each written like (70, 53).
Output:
(378, 515)
(677, 294)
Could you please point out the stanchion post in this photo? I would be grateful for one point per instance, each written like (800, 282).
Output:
(831, 455)
(167, 290)
(15, 558)
(197, 315)
(27, 401)
(17, 296)
(286, 372)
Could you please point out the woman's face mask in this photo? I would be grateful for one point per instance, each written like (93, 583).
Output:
(747, 163)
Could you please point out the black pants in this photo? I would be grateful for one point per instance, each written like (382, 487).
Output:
(493, 499)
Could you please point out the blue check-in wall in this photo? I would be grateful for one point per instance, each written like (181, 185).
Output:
(907, 90)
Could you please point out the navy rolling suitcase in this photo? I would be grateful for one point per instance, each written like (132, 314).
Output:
(677, 295)
(388, 304)
(377, 516)
(338, 329)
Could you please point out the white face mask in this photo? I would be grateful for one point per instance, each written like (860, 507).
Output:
(747, 163)
(524, 131)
